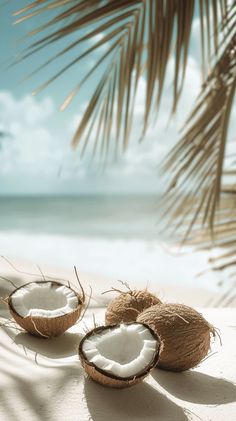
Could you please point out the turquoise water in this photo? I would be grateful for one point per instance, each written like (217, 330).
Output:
(114, 236)
(99, 216)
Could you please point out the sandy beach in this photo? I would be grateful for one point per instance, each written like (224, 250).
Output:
(42, 379)
(20, 271)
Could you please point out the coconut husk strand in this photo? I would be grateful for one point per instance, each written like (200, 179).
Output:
(47, 327)
(185, 333)
(110, 379)
(128, 305)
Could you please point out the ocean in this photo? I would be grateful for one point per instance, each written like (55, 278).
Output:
(114, 236)
(93, 216)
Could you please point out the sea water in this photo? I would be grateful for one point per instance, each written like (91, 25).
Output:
(113, 236)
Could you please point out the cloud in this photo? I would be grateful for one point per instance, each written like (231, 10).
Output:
(38, 151)
(26, 110)
(31, 147)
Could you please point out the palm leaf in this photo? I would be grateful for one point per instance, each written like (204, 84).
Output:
(199, 206)
(142, 34)
(197, 159)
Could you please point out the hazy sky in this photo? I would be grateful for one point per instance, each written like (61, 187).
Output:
(37, 158)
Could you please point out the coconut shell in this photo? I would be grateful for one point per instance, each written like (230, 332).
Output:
(47, 327)
(108, 379)
(185, 334)
(128, 305)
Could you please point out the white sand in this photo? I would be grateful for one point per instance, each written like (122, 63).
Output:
(42, 380)
(26, 271)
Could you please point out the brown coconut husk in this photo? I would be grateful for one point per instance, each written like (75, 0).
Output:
(47, 327)
(185, 333)
(128, 305)
(108, 379)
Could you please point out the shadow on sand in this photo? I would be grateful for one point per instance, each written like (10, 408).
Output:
(37, 397)
(141, 402)
(63, 346)
(196, 387)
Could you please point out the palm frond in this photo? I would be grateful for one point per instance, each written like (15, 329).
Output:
(196, 162)
(203, 215)
(142, 36)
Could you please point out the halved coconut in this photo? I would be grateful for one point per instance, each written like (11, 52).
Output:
(119, 356)
(45, 308)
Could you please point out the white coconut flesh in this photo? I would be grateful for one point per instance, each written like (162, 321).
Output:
(44, 299)
(123, 351)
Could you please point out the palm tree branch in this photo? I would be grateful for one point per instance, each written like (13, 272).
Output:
(206, 134)
(224, 130)
(161, 26)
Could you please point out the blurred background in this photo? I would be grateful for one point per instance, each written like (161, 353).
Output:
(61, 209)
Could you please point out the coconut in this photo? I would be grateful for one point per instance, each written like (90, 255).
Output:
(119, 356)
(45, 308)
(128, 305)
(185, 334)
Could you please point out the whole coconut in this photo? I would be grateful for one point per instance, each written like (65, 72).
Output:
(185, 334)
(128, 305)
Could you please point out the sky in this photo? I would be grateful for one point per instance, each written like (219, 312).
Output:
(37, 157)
